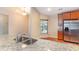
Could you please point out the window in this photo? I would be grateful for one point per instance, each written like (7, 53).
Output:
(44, 26)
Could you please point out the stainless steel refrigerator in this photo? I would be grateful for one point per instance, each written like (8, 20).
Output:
(71, 31)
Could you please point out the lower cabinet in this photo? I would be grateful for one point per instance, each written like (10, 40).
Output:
(60, 35)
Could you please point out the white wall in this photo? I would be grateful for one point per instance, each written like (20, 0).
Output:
(35, 17)
(17, 22)
(53, 26)
(34, 24)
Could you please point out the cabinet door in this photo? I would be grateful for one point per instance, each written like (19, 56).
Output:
(60, 35)
(66, 15)
(75, 15)
(60, 25)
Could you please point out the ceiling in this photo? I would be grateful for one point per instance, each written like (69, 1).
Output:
(54, 10)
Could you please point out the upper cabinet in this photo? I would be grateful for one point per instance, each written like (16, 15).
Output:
(75, 15)
(66, 15)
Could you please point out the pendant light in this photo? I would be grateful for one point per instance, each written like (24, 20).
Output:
(24, 12)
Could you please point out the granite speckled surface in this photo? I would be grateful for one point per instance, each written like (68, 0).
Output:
(8, 44)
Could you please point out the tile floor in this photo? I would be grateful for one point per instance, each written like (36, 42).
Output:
(8, 44)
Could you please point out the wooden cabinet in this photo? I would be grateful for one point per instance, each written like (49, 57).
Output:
(75, 15)
(72, 15)
(66, 15)
(60, 35)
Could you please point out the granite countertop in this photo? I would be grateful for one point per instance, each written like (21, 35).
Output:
(8, 44)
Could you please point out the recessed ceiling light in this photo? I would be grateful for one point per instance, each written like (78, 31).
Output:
(49, 9)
